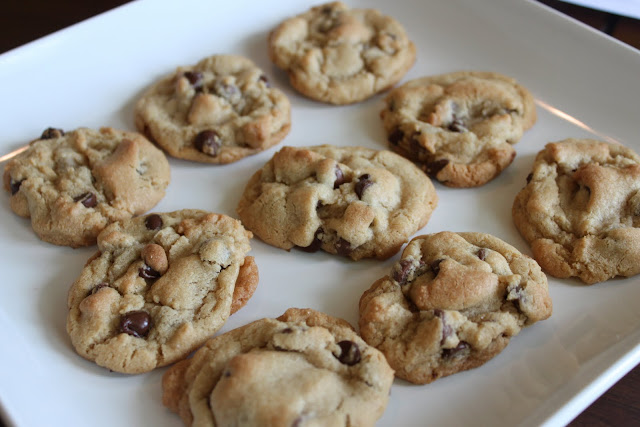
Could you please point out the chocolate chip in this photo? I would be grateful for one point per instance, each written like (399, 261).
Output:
(153, 222)
(98, 287)
(349, 353)
(226, 373)
(343, 247)
(529, 177)
(340, 179)
(227, 91)
(432, 168)
(89, 200)
(415, 145)
(396, 136)
(452, 352)
(51, 133)
(15, 186)
(287, 330)
(403, 268)
(148, 273)
(482, 254)
(435, 266)
(195, 79)
(208, 142)
(457, 126)
(316, 243)
(264, 80)
(364, 182)
(136, 323)
(447, 330)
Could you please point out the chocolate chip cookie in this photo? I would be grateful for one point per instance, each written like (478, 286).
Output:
(159, 286)
(451, 303)
(340, 55)
(218, 111)
(351, 201)
(460, 126)
(303, 368)
(580, 210)
(73, 184)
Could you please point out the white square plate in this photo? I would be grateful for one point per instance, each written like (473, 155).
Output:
(91, 74)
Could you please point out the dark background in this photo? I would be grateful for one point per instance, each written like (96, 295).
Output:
(22, 21)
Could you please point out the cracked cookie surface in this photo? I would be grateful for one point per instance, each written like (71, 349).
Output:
(159, 286)
(218, 111)
(460, 126)
(451, 303)
(303, 368)
(350, 201)
(580, 210)
(71, 185)
(340, 55)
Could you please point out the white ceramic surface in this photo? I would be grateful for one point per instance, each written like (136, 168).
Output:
(91, 75)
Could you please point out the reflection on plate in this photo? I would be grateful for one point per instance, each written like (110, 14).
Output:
(92, 74)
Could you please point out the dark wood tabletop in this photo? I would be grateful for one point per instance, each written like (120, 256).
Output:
(27, 20)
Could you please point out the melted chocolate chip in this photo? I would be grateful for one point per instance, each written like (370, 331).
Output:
(15, 186)
(89, 200)
(208, 142)
(364, 182)
(447, 330)
(340, 179)
(315, 244)
(195, 79)
(402, 271)
(396, 136)
(432, 168)
(148, 273)
(153, 222)
(264, 80)
(136, 323)
(529, 177)
(482, 254)
(435, 266)
(350, 353)
(343, 247)
(453, 352)
(51, 133)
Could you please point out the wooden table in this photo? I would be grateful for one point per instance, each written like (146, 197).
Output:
(26, 20)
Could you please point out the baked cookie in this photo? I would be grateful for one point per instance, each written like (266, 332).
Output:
(159, 286)
(451, 303)
(303, 368)
(580, 210)
(73, 184)
(339, 55)
(459, 127)
(351, 201)
(218, 111)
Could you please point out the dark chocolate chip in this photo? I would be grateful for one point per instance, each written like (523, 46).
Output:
(435, 266)
(136, 323)
(51, 133)
(153, 222)
(264, 80)
(432, 168)
(148, 273)
(457, 126)
(349, 353)
(403, 268)
(208, 142)
(315, 244)
(15, 186)
(226, 90)
(98, 287)
(89, 200)
(415, 145)
(396, 136)
(482, 254)
(195, 79)
(529, 177)
(287, 330)
(446, 328)
(226, 373)
(453, 352)
(343, 247)
(340, 179)
(364, 182)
